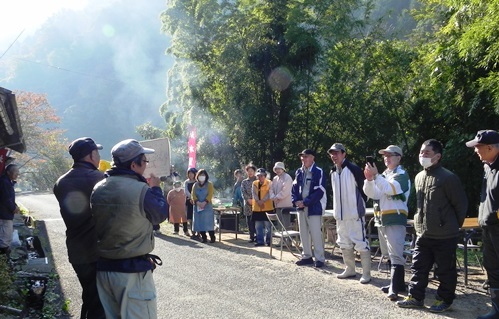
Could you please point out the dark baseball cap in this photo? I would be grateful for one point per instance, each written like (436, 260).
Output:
(485, 137)
(306, 152)
(82, 146)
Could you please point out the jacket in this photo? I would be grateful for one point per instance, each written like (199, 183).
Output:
(73, 191)
(316, 199)
(7, 198)
(125, 208)
(281, 190)
(349, 200)
(488, 212)
(392, 190)
(441, 203)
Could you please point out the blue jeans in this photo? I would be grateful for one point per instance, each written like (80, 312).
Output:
(263, 228)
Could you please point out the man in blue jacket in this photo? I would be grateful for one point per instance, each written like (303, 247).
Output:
(8, 207)
(309, 196)
(73, 191)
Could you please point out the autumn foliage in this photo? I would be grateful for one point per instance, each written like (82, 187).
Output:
(45, 158)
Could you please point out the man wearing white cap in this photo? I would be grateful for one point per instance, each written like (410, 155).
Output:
(281, 192)
(390, 191)
(125, 208)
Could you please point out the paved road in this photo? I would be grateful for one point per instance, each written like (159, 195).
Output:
(234, 280)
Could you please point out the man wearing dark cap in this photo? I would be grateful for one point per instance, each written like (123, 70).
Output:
(486, 145)
(349, 202)
(308, 194)
(73, 190)
(125, 208)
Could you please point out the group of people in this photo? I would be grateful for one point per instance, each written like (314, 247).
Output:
(441, 209)
(112, 258)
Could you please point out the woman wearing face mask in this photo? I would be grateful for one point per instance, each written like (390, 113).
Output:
(176, 200)
(188, 184)
(203, 219)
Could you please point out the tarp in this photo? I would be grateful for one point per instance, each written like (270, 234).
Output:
(11, 134)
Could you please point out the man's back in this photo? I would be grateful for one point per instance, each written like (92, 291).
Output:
(73, 190)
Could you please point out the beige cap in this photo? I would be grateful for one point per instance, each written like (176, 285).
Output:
(279, 165)
(391, 149)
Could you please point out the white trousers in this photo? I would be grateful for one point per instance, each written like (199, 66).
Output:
(352, 234)
(311, 234)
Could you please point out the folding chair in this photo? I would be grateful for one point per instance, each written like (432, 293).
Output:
(284, 235)
(471, 248)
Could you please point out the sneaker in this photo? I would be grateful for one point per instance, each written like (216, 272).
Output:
(186, 233)
(305, 261)
(318, 264)
(175, 233)
(439, 306)
(410, 302)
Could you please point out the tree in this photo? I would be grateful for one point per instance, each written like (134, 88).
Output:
(46, 157)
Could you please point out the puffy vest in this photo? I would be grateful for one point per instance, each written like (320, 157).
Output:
(123, 230)
(261, 192)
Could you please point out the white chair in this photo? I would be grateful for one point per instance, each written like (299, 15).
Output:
(287, 238)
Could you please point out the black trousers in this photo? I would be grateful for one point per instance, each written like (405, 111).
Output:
(490, 239)
(442, 253)
(91, 307)
(251, 227)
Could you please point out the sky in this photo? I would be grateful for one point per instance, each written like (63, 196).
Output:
(29, 15)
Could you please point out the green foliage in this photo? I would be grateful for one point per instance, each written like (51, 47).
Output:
(5, 279)
(269, 78)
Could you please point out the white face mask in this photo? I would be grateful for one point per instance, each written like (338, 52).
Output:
(425, 161)
(178, 189)
(201, 179)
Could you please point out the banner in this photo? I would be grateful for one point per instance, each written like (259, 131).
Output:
(191, 147)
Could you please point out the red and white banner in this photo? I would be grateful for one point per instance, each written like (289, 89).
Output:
(191, 147)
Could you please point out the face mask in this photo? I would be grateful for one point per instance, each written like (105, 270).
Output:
(201, 179)
(177, 189)
(425, 161)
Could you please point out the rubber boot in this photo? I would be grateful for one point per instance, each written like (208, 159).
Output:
(212, 236)
(387, 287)
(203, 236)
(365, 260)
(494, 312)
(349, 261)
(397, 282)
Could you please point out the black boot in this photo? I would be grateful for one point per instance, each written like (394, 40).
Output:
(203, 236)
(397, 282)
(386, 288)
(212, 236)
(494, 312)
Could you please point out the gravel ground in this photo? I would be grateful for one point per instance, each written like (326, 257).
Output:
(234, 279)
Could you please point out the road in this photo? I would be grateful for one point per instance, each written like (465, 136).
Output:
(231, 279)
